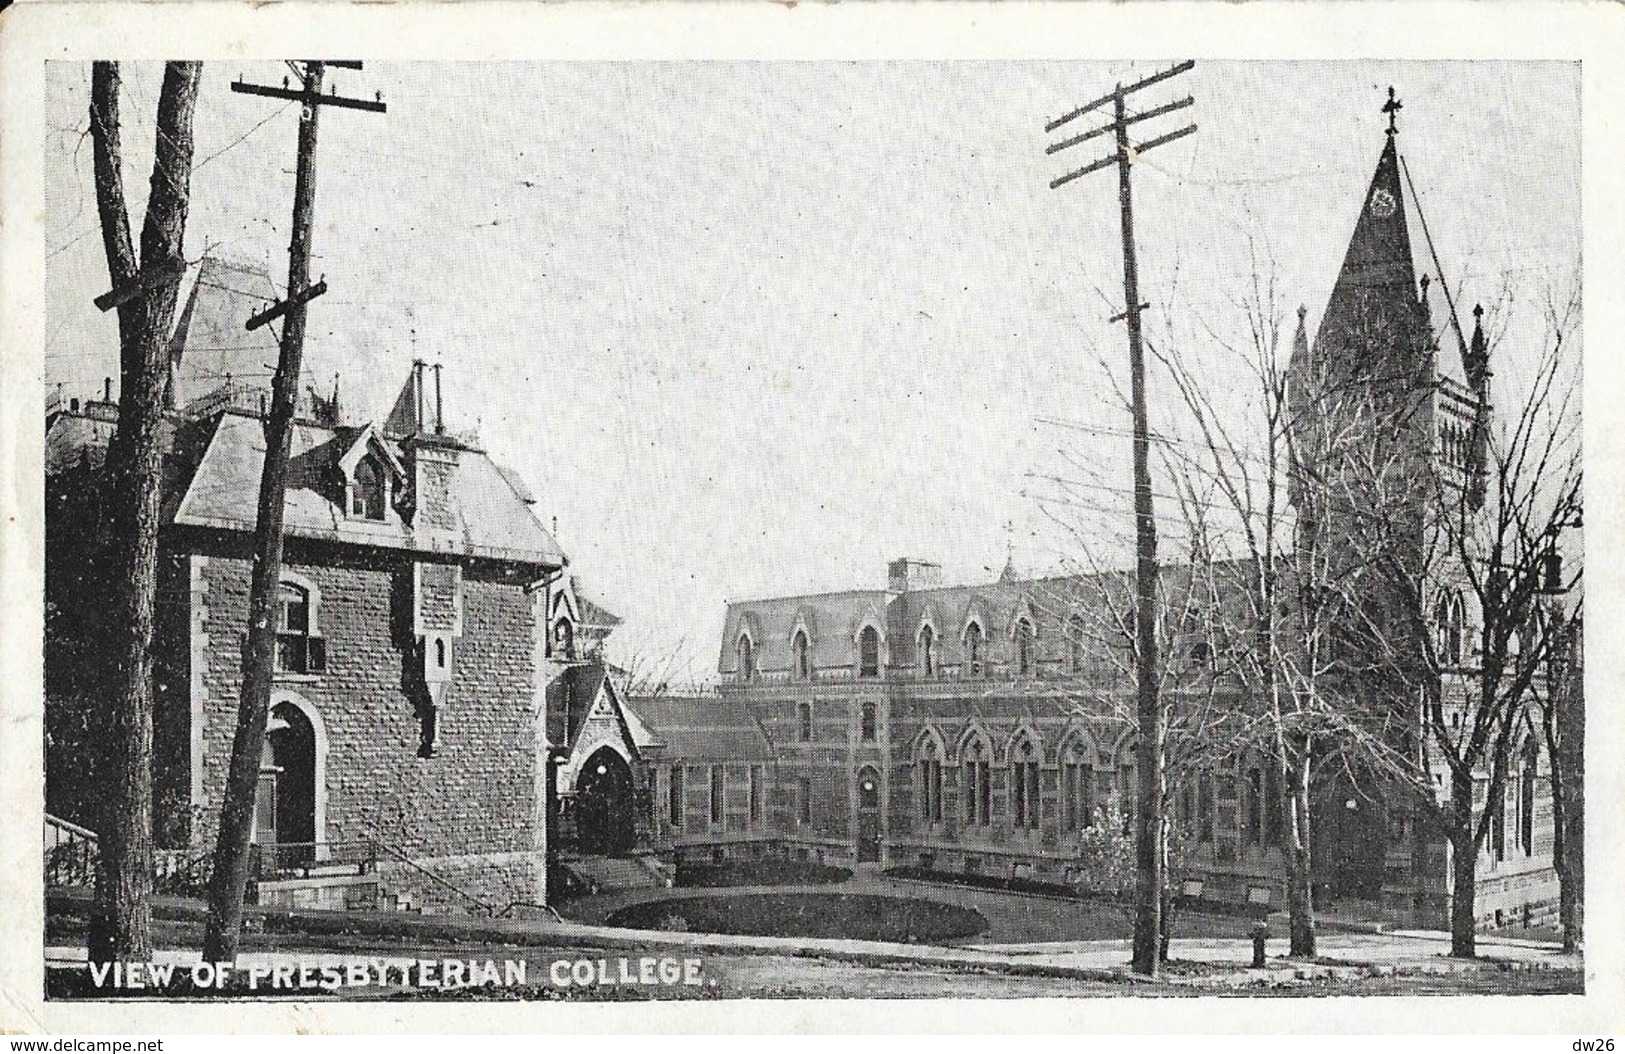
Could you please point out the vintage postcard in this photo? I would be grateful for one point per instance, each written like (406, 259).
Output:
(677, 505)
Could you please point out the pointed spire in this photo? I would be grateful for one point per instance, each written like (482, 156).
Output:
(1372, 321)
(1478, 353)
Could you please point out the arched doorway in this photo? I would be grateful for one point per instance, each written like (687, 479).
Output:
(604, 805)
(868, 816)
(285, 813)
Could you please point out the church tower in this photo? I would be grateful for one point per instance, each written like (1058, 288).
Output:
(1389, 379)
(1389, 415)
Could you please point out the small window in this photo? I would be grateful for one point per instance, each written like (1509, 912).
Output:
(802, 664)
(928, 658)
(298, 648)
(367, 490)
(973, 647)
(1024, 648)
(564, 639)
(747, 658)
(440, 653)
(1274, 816)
(869, 652)
(1074, 644)
(756, 794)
(804, 793)
(804, 725)
(929, 766)
(1255, 807)
(1526, 800)
(870, 722)
(718, 787)
(1024, 787)
(978, 785)
(674, 798)
(1077, 793)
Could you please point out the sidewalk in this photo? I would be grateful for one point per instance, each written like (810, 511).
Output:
(1342, 955)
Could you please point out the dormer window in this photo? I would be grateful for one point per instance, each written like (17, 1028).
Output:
(869, 653)
(973, 647)
(928, 658)
(564, 639)
(367, 490)
(747, 659)
(1024, 648)
(803, 666)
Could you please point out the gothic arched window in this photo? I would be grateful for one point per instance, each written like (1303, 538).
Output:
(802, 665)
(1074, 644)
(928, 764)
(928, 658)
(367, 490)
(1024, 648)
(869, 652)
(1024, 783)
(977, 782)
(747, 658)
(973, 647)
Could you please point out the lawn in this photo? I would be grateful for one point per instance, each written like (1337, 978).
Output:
(854, 916)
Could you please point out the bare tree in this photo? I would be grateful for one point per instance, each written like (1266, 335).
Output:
(1560, 710)
(121, 919)
(1470, 540)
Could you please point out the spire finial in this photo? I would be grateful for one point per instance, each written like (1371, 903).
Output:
(1392, 108)
(1302, 311)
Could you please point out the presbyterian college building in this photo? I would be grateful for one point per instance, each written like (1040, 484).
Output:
(979, 729)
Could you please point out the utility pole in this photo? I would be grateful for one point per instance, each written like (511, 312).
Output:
(231, 855)
(1151, 843)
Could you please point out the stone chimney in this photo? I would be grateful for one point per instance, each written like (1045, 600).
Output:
(905, 574)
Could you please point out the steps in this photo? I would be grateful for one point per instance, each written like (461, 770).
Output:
(604, 873)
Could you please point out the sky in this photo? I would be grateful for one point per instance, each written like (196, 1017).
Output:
(753, 329)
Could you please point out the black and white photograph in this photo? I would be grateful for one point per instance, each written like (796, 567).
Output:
(603, 530)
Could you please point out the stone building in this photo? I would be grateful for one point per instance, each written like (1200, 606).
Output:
(406, 755)
(980, 728)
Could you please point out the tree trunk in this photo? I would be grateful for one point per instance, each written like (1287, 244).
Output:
(121, 917)
(1300, 895)
(1464, 872)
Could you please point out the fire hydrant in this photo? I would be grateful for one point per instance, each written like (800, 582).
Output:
(1261, 933)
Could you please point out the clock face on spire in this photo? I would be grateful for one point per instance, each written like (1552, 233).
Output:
(1382, 203)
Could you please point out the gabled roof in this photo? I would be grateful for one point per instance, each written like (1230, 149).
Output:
(570, 699)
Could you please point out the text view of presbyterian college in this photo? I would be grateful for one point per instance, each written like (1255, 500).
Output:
(716, 530)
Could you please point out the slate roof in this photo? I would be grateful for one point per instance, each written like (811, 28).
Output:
(1372, 311)
(494, 519)
(697, 728)
(569, 699)
(210, 343)
(1049, 604)
(212, 475)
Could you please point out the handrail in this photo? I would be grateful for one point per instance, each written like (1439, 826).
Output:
(489, 909)
(71, 827)
(550, 909)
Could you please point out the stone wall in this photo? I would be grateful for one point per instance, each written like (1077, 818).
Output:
(478, 796)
